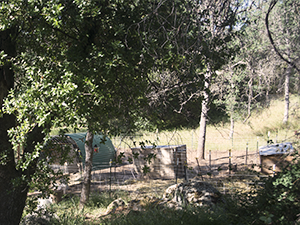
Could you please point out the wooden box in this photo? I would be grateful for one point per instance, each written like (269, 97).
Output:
(275, 157)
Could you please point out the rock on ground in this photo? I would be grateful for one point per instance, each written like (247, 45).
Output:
(114, 205)
(39, 217)
(195, 193)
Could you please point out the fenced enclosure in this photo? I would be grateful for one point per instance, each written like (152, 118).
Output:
(233, 159)
(124, 177)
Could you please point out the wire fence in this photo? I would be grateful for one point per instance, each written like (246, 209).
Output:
(124, 178)
(235, 159)
(218, 141)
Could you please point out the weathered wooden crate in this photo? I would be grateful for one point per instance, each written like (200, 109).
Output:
(169, 163)
(275, 157)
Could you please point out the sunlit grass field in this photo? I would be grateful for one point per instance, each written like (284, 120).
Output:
(263, 125)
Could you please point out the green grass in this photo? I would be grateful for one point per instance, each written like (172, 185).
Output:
(188, 216)
(68, 213)
(237, 207)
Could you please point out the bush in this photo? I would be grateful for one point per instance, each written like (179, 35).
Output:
(279, 201)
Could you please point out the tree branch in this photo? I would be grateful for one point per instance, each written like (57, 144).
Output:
(271, 6)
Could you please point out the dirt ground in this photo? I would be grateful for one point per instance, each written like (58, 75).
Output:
(215, 160)
(125, 178)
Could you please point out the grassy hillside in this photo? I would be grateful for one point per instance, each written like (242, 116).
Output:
(254, 131)
(266, 121)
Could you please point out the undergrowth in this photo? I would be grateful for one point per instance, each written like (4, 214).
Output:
(188, 216)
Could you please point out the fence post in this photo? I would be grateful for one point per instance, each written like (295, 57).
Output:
(110, 164)
(177, 169)
(199, 172)
(229, 161)
(185, 171)
(246, 154)
(209, 157)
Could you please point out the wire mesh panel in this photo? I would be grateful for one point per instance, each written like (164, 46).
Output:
(169, 162)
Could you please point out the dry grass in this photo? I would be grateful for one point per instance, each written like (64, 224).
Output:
(253, 133)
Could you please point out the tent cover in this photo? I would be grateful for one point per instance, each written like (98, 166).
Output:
(104, 150)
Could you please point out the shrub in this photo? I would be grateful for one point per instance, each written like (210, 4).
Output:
(279, 201)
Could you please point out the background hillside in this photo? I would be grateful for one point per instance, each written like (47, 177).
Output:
(265, 120)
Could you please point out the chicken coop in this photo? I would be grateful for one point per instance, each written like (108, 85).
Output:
(274, 157)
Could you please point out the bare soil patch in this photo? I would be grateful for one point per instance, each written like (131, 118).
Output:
(212, 169)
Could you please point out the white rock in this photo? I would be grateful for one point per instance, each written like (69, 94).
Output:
(44, 202)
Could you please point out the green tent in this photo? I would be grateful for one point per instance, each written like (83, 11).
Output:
(104, 150)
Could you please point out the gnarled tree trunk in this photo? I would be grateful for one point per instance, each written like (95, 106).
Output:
(86, 184)
(12, 197)
(13, 188)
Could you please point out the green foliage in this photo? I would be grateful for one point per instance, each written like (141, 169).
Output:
(70, 218)
(119, 158)
(75, 63)
(82, 63)
(190, 48)
(277, 202)
(172, 216)
(100, 200)
(135, 155)
(280, 196)
(150, 157)
(68, 213)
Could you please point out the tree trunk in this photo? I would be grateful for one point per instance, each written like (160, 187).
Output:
(86, 185)
(231, 126)
(6, 73)
(12, 197)
(286, 94)
(204, 117)
(250, 96)
(13, 188)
